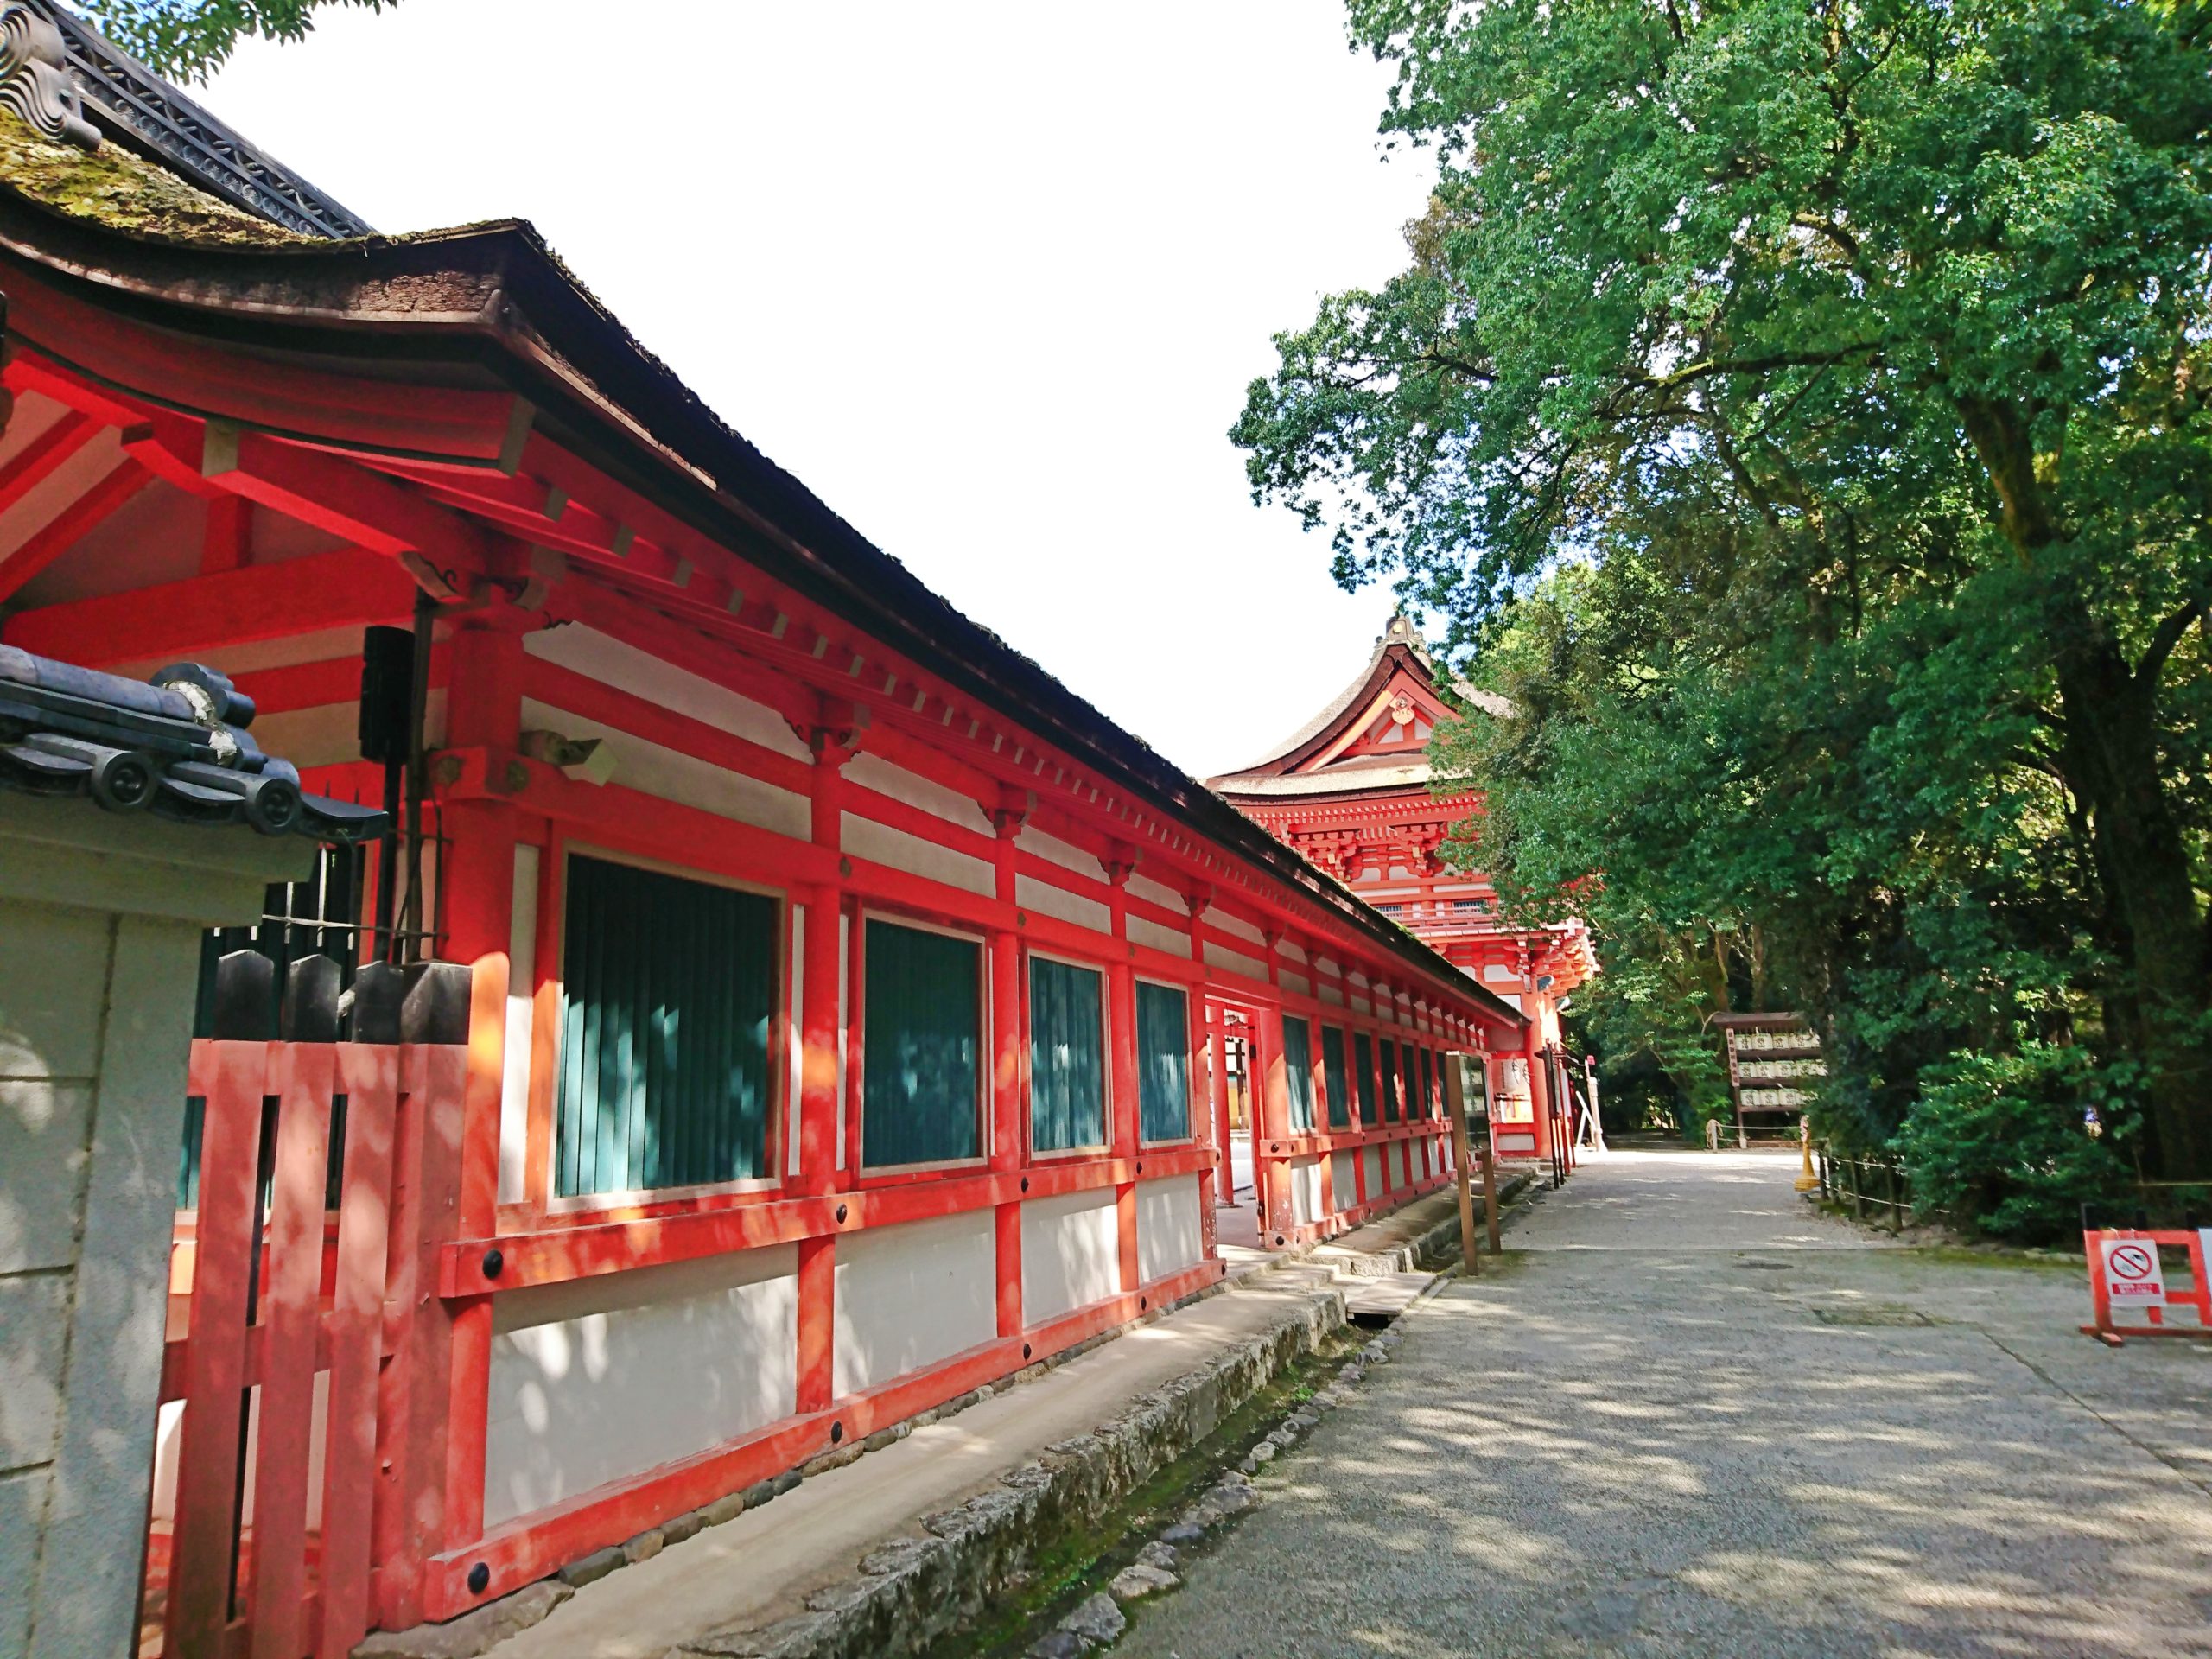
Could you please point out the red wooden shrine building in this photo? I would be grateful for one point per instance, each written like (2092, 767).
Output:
(1351, 791)
(835, 1041)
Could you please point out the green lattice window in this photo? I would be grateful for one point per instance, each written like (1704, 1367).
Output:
(922, 1044)
(1067, 1056)
(669, 993)
(1163, 1062)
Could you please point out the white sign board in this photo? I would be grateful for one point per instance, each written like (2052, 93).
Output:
(2133, 1276)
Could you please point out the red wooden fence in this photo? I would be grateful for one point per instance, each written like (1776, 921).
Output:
(285, 1290)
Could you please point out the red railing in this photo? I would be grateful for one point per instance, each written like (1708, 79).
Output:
(268, 1551)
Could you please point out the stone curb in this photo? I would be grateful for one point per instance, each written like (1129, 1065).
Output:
(913, 1590)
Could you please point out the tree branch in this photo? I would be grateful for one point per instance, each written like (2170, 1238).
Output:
(2164, 638)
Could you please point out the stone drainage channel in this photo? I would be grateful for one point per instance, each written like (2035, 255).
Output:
(1047, 1626)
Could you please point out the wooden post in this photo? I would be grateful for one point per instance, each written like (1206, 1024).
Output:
(1489, 1196)
(1009, 1092)
(1217, 1095)
(1455, 1103)
(418, 1411)
(1270, 1092)
(1124, 1102)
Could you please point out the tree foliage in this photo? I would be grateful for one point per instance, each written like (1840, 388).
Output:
(1802, 409)
(191, 39)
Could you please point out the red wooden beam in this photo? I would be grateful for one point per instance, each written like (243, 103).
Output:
(452, 423)
(226, 541)
(26, 371)
(445, 553)
(593, 699)
(69, 526)
(44, 454)
(577, 531)
(202, 613)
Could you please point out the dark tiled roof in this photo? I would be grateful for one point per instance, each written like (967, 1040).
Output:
(125, 192)
(176, 747)
(117, 96)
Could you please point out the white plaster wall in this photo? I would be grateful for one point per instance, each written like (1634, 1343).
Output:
(324, 735)
(1328, 993)
(654, 769)
(1342, 1179)
(1297, 983)
(1071, 1253)
(910, 1296)
(872, 772)
(1220, 955)
(1171, 1234)
(1166, 897)
(1305, 1189)
(604, 1377)
(1032, 893)
(1068, 856)
(1142, 931)
(1222, 921)
(611, 662)
(1371, 1162)
(881, 844)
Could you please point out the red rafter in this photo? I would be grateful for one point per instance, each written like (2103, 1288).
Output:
(66, 528)
(44, 455)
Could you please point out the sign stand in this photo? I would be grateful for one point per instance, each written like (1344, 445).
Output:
(2125, 1274)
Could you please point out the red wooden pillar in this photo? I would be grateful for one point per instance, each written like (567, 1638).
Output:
(1218, 1187)
(833, 740)
(1540, 1094)
(1270, 1124)
(1122, 1073)
(1317, 1051)
(1376, 992)
(1009, 1095)
(455, 1169)
(1493, 1064)
(1217, 1104)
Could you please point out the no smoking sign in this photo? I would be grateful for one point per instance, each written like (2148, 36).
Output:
(2131, 1273)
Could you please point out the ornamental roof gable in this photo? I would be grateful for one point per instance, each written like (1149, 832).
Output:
(1374, 734)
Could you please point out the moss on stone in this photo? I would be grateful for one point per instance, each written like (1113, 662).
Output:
(118, 188)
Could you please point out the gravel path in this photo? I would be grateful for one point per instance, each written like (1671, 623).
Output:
(1695, 1418)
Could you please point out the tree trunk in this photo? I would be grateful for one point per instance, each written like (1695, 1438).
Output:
(2111, 758)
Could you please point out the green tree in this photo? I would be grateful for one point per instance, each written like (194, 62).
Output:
(190, 39)
(1859, 350)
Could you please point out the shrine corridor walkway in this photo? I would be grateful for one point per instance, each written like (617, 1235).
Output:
(1692, 1417)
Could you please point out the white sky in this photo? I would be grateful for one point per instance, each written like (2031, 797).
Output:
(990, 277)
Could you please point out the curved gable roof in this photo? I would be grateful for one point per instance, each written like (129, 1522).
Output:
(1399, 650)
